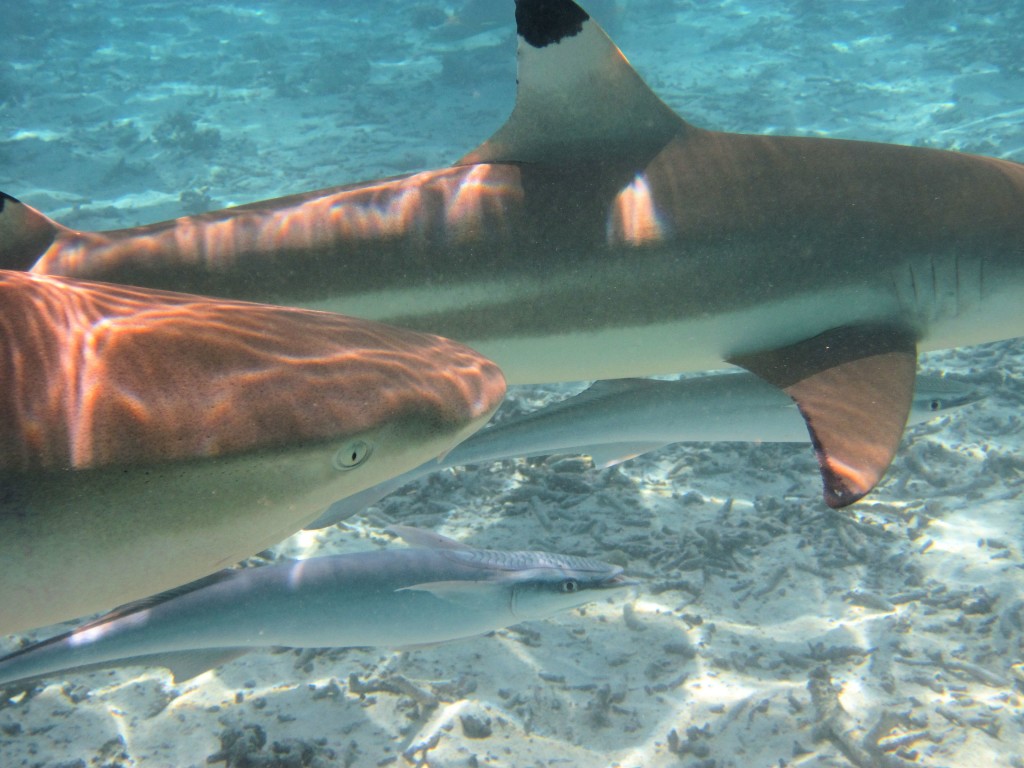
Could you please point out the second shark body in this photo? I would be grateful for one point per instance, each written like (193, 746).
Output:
(598, 235)
(617, 420)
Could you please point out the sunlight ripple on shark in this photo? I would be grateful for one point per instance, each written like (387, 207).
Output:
(149, 438)
(598, 235)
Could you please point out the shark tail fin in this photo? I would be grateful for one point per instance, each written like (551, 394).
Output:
(576, 94)
(854, 387)
(25, 233)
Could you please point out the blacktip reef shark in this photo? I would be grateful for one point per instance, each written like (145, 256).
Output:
(150, 438)
(598, 235)
(436, 591)
(613, 421)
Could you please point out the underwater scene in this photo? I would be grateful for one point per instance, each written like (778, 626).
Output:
(647, 497)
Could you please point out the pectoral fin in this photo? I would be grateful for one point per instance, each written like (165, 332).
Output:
(609, 454)
(345, 507)
(466, 593)
(184, 665)
(854, 387)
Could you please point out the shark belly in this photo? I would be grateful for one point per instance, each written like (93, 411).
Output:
(591, 341)
(78, 542)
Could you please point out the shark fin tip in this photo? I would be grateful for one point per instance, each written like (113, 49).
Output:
(854, 387)
(541, 23)
(4, 197)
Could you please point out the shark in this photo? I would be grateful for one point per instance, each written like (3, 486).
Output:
(437, 590)
(597, 234)
(618, 420)
(149, 438)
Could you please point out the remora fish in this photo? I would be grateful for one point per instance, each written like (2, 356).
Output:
(598, 235)
(616, 420)
(150, 438)
(438, 591)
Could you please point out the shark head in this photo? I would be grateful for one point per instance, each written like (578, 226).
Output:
(526, 585)
(546, 583)
(101, 375)
(175, 434)
(515, 585)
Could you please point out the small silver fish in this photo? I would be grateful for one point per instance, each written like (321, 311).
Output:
(437, 590)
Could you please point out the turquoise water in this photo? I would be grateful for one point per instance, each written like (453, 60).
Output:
(228, 103)
(117, 114)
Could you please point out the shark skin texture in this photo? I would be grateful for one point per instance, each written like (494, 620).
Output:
(599, 235)
(149, 438)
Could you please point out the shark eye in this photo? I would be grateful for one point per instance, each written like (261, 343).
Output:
(569, 586)
(935, 405)
(351, 455)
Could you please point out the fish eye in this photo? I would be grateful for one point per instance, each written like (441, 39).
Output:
(935, 405)
(569, 586)
(351, 455)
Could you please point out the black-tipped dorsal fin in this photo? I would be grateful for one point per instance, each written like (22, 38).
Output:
(854, 388)
(576, 94)
(25, 233)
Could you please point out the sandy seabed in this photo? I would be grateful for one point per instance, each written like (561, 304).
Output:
(767, 629)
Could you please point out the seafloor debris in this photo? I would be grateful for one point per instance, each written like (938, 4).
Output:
(395, 684)
(475, 727)
(245, 747)
(871, 750)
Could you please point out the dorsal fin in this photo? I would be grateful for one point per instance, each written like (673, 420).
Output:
(25, 233)
(576, 94)
(609, 454)
(854, 387)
